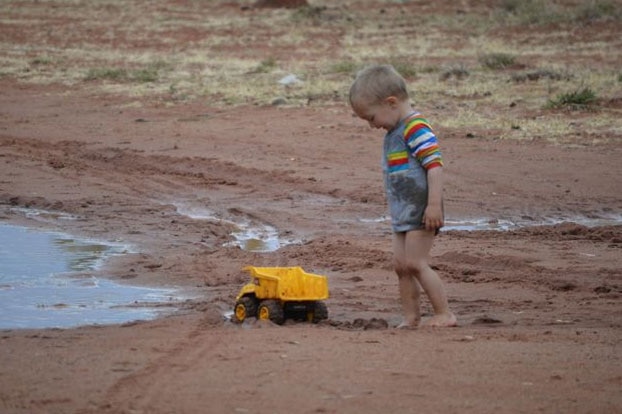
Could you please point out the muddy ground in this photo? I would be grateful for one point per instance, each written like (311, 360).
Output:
(538, 305)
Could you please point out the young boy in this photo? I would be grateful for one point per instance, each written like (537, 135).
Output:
(413, 167)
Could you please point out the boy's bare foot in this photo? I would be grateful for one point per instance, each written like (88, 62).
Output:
(407, 325)
(442, 320)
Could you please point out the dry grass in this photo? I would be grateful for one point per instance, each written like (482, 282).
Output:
(466, 59)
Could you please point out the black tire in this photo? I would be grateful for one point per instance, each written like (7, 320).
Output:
(298, 311)
(271, 310)
(320, 312)
(245, 307)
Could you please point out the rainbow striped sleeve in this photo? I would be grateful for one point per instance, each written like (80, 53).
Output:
(422, 142)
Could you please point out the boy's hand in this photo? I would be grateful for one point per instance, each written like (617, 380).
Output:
(433, 218)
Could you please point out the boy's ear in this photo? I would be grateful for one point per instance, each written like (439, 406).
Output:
(391, 100)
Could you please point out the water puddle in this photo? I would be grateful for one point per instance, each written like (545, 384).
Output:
(43, 216)
(249, 235)
(478, 224)
(254, 236)
(261, 239)
(45, 283)
(504, 225)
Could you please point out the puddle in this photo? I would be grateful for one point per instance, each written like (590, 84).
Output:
(45, 283)
(504, 225)
(460, 225)
(478, 224)
(249, 235)
(44, 216)
(256, 239)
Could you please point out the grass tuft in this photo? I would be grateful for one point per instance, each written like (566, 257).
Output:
(265, 66)
(598, 10)
(455, 71)
(308, 13)
(536, 75)
(344, 66)
(542, 12)
(530, 11)
(578, 99)
(41, 60)
(497, 60)
(114, 74)
(145, 75)
(405, 68)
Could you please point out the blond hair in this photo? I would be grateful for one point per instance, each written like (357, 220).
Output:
(375, 83)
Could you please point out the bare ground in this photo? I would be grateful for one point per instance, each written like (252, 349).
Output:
(538, 306)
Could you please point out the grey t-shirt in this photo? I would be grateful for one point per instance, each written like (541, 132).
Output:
(405, 177)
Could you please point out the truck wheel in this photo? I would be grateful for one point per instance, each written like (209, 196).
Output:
(320, 312)
(271, 310)
(245, 307)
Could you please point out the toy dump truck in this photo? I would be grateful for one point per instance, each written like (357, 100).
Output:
(279, 293)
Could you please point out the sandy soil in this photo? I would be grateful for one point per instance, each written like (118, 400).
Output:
(538, 306)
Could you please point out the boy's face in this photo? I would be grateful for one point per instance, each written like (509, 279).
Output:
(385, 114)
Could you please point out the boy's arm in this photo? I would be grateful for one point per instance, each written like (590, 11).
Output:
(433, 215)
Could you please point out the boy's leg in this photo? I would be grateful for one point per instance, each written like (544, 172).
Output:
(408, 286)
(417, 246)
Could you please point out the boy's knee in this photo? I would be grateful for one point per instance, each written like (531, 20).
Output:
(405, 269)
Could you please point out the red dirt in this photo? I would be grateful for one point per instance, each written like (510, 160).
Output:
(538, 307)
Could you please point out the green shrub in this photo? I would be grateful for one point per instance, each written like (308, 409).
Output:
(578, 99)
(455, 71)
(313, 14)
(596, 10)
(265, 65)
(497, 60)
(345, 66)
(115, 74)
(404, 67)
(144, 75)
(41, 60)
(149, 74)
(538, 74)
(546, 12)
(530, 11)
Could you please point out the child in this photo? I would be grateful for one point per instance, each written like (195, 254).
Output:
(413, 167)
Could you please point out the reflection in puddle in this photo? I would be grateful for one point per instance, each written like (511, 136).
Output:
(249, 236)
(45, 282)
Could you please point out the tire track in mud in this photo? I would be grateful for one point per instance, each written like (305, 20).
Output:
(143, 391)
(128, 175)
(203, 369)
(165, 171)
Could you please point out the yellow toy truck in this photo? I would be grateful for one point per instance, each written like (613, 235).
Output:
(279, 293)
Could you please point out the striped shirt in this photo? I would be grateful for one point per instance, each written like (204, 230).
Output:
(410, 150)
(422, 142)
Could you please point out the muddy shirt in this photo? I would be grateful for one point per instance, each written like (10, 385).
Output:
(410, 150)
